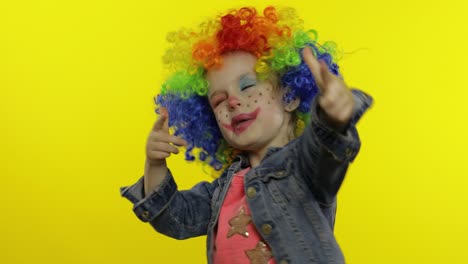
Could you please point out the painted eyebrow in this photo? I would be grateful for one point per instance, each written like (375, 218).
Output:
(243, 77)
(248, 76)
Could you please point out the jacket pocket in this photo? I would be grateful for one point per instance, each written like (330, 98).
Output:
(283, 188)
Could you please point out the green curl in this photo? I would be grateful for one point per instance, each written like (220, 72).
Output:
(185, 84)
(284, 57)
(300, 39)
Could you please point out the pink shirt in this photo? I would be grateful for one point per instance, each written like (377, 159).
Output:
(237, 240)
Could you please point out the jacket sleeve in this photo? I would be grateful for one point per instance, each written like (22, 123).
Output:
(324, 153)
(178, 214)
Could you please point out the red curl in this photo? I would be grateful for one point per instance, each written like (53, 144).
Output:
(242, 30)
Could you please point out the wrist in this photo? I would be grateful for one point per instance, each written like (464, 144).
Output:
(340, 127)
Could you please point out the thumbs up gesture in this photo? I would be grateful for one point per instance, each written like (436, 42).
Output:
(159, 144)
(335, 98)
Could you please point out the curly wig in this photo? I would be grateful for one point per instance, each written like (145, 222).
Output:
(276, 38)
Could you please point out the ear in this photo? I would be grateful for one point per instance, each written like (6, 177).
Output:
(293, 105)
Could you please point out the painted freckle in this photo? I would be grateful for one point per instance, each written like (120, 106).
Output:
(259, 93)
(248, 105)
(255, 101)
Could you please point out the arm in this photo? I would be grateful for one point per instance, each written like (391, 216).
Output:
(178, 214)
(155, 196)
(325, 151)
(331, 141)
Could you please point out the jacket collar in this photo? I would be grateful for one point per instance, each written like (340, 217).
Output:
(243, 157)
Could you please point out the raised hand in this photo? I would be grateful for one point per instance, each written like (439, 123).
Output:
(159, 144)
(335, 98)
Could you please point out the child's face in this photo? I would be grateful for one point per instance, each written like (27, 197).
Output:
(250, 113)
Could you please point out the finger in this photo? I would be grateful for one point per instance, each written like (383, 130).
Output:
(161, 123)
(160, 136)
(163, 110)
(314, 66)
(158, 155)
(162, 146)
(178, 141)
(327, 76)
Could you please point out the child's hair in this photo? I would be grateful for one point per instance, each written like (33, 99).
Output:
(276, 38)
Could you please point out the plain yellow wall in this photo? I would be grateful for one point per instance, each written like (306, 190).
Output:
(77, 80)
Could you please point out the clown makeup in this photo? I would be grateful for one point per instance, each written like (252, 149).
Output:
(249, 112)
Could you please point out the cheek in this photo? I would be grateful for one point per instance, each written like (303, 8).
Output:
(221, 116)
(261, 98)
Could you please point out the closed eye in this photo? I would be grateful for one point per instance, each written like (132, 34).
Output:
(218, 103)
(217, 100)
(247, 86)
(247, 80)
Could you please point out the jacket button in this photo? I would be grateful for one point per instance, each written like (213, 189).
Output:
(348, 152)
(283, 262)
(251, 192)
(146, 215)
(266, 229)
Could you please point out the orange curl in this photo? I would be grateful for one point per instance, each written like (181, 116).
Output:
(243, 30)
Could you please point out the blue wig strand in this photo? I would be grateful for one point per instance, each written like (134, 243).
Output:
(194, 121)
(301, 83)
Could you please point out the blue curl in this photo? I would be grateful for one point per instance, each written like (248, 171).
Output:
(194, 121)
(301, 83)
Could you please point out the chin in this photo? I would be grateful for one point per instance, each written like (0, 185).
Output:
(244, 145)
(243, 141)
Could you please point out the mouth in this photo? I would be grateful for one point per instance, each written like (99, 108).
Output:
(241, 122)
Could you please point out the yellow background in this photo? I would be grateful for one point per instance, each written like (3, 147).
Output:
(77, 80)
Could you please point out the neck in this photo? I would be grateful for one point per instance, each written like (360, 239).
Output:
(255, 157)
(285, 135)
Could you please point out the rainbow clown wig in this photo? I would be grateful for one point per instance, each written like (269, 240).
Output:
(275, 37)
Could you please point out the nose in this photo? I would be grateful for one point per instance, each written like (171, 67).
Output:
(233, 103)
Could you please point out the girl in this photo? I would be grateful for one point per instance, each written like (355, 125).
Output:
(264, 104)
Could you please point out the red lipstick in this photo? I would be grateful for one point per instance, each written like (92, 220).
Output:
(241, 122)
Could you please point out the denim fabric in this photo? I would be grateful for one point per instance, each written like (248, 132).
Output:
(291, 194)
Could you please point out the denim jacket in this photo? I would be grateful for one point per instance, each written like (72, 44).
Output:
(291, 194)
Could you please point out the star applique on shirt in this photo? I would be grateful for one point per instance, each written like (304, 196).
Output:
(260, 254)
(239, 224)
